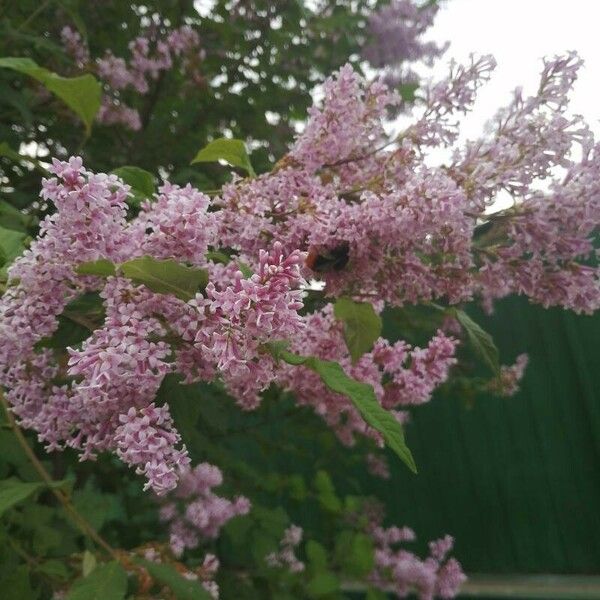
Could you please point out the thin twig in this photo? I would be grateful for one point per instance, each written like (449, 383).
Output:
(77, 518)
(41, 8)
(31, 562)
(350, 159)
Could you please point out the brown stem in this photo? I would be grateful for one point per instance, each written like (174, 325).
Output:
(83, 321)
(28, 559)
(345, 161)
(77, 518)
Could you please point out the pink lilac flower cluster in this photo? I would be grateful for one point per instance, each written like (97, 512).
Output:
(286, 557)
(401, 572)
(377, 465)
(335, 191)
(395, 37)
(347, 126)
(238, 316)
(438, 125)
(108, 385)
(540, 248)
(507, 383)
(194, 513)
(289, 206)
(74, 46)
(410, 374)
(408, 232)
(151, 55)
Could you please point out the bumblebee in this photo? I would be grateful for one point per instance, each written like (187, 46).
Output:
(330, 259)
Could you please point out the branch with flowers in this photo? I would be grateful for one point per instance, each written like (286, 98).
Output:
(271, 291)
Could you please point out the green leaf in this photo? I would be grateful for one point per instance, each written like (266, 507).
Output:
(271, 520)
(11, 452)
(184, 405)
(362, 325)
(323, 584)
(54, 568)
(81, 94)
(98, 507)
(317, 555)
(232, 151)
(166, 276)
(218, 257)
(354, 553)
(68, 334)
(297, 487)
(101, 267)
(361, 394)
(16, 585)
(12, 245)
(161, 276)
(245, 269)
(106, 582)
(88, 304)
(13, 491)
(45, 539)
(142, 182)
(408, 92)
(480, 340)
(12, 218)
(326, 492)
(183, 589)
(262, 544)
(76, 322)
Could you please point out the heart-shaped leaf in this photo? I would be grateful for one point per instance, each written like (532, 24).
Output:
(232, 151)
(81, 94)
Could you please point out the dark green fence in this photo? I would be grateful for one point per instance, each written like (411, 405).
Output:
(515, 480)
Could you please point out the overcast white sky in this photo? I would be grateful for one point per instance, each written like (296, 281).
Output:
(519, 33)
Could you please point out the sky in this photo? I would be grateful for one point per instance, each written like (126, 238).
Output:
(518, 33)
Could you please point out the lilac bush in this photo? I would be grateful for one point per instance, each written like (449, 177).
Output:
(279, 281)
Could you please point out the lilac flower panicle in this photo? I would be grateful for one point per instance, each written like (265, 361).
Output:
(194, 513)
(149, 57)
(285, 557)
(396, 31)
